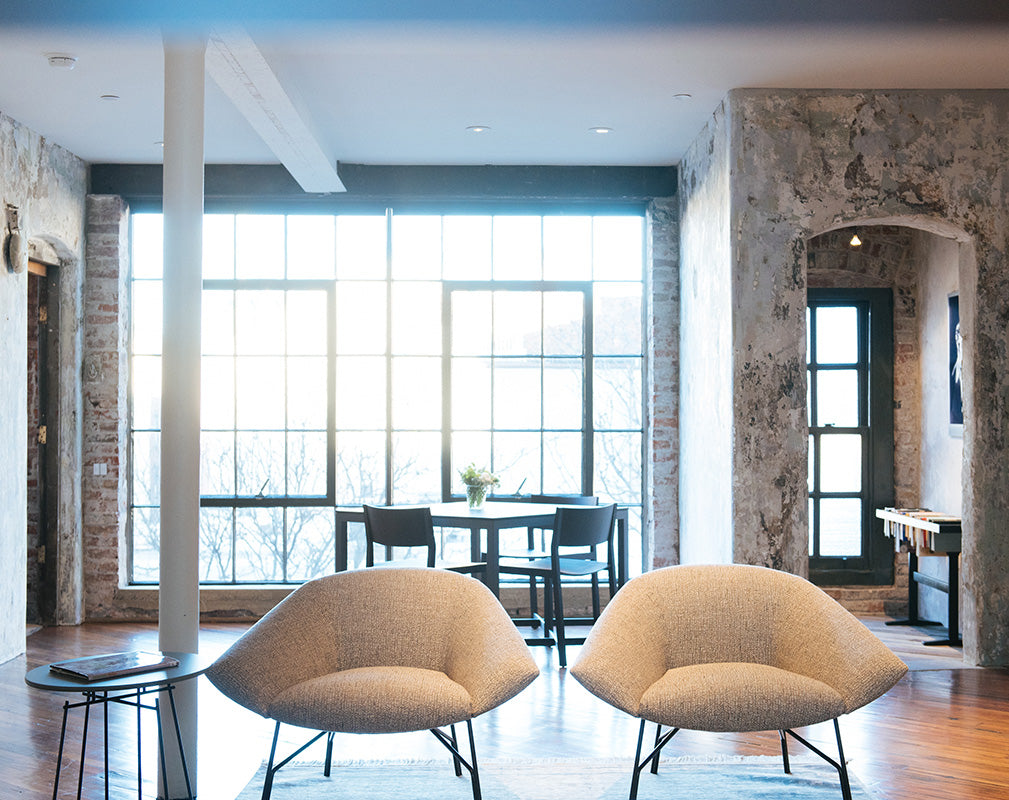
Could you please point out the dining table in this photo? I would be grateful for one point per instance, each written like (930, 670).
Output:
(485, 525)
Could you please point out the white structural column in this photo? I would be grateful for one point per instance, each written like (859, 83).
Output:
(179, 603)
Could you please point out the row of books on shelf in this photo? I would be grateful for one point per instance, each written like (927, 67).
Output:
(926, 530)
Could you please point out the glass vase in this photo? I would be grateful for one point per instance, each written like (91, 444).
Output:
(475, 495)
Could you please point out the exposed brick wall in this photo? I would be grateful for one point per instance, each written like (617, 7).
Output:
(883, 261)
(105, 421)
(663, 330)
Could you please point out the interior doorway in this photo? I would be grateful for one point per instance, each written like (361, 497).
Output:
(43, 321)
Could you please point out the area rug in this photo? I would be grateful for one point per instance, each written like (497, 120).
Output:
(686, 778)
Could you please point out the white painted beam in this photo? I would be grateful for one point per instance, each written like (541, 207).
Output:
(238, 67)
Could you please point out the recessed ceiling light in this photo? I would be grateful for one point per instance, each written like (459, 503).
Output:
(601, 129)
(109, 98)
(159, 143)
(61, 60)
(682, 96)
(478, 128)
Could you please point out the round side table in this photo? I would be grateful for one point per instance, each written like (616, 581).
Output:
(126, 690)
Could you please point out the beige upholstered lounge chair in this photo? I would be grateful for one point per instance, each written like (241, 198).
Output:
(379, 651)
(732, 648)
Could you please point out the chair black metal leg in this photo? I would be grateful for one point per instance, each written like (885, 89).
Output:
(653, 757)
(784, 751)
(655, 761)
(559, 622)
(450, 745)
(595, 595)
(455, 759)
(327, 768)
(268, 783)
(839, 765)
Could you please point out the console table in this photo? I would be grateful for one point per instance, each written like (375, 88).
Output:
(928, 533)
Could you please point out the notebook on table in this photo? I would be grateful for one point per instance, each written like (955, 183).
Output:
(113, 665)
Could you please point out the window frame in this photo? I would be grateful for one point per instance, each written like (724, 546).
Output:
(875, 564)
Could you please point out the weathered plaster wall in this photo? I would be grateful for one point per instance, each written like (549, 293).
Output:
(47, 184)
(941, 450)
(663, 314)
(707, 309)
(805, 162)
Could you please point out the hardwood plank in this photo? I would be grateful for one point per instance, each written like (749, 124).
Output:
(942, 732)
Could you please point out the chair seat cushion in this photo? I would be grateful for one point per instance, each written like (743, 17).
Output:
(374, 700)
(738, 697)
(567, 566)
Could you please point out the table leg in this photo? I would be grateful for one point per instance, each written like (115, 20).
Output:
(161, 745)
(84, 744)
(105, 741)
(341, 545)
(178, 735)
(140, 774)
(59, 754)
(492, 575)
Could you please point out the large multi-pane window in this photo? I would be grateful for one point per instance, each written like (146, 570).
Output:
(367, 358)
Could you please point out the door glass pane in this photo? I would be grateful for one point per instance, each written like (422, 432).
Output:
(218, 324)
(517, 321)
(416, 318)
(259, 322)
(517, 393)
(840, 463)
(471, 323)
(360, 318)
(306, 323)
(259, 384)
(840, 527)
(562, 393)
(837, 335)
(360, 393)
(613, 305)
(416, 393)
(563, 321)
(471, 393)
(837, 398)
(617, 393)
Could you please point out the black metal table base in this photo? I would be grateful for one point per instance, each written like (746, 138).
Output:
(132, 698)
(951, 587)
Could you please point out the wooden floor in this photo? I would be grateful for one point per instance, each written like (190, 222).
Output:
(941, 734)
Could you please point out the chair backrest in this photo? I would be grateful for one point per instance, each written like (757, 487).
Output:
(398, 527)
(583, 526)
(565, 499)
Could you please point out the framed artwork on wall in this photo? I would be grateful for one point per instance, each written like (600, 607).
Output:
(955, 367)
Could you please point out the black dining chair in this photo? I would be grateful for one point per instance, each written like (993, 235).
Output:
(577, 533)
(406, 526)
(533, 551)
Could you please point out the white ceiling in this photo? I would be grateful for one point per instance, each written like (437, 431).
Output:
(403, 92)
